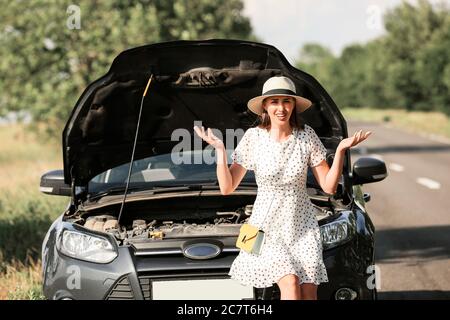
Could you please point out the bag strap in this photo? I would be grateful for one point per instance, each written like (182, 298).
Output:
(245, 239)
(286, 166)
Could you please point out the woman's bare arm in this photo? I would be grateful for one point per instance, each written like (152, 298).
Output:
(229, 177)
(328, 178)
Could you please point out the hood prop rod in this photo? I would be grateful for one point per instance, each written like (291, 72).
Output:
(134, 148)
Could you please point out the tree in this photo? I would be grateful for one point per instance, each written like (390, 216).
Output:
(408, 67)
(317, 60)
(352, 79)
(418, 51)
(51, 50)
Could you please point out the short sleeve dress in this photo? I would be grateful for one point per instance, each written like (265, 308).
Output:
(282, 208)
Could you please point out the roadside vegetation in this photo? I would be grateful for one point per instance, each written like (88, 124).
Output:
(408, 66)
(25, 213)
(420, 122)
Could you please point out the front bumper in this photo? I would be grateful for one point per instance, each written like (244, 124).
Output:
(130, 276)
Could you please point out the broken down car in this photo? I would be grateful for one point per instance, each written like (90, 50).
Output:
(149, 227)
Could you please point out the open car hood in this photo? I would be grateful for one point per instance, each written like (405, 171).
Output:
(209, 81)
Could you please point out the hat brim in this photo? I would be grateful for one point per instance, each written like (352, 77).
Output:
(255, 104)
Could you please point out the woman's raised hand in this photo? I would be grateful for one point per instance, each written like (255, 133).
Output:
(209, 137)
(357, 137)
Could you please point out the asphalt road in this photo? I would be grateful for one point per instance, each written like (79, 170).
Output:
(410, 210)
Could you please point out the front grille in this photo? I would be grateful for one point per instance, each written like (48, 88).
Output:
(145, 287)
(121, 290)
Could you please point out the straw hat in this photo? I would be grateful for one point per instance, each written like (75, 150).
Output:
(278, 86)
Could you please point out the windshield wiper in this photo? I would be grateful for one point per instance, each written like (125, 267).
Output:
(111, 191)
(165, 188)
(153, 189)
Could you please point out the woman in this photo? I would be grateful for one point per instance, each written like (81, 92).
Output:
(279, 151)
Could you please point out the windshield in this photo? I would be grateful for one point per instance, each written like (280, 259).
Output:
(171, 169)
(166, 170)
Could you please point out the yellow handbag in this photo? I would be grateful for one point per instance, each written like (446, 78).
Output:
(250, 239)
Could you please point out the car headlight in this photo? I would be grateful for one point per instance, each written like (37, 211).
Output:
(337, 232)
(87, 247)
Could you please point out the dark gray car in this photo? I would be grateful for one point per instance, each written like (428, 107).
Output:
(174, 235)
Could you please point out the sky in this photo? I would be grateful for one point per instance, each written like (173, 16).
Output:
(288, 24)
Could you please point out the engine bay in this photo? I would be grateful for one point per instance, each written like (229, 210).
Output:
(225, 223)
(157, 228)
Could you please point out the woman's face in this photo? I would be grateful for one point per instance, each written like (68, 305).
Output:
(279, 108)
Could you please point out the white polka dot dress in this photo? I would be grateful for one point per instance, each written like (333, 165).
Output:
(293, 243)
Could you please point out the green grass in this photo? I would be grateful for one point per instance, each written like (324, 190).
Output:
(25, 213)
(22, 281)
(432, 123)
(25, 216)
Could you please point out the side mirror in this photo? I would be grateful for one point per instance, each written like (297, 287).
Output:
(52, 182)
(368, 170)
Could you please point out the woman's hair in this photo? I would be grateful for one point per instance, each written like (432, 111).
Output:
(296, 120)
